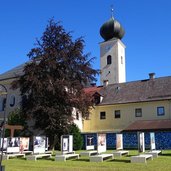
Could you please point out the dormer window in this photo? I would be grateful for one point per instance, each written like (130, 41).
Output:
(109, 59)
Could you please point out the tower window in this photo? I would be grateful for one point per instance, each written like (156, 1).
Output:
(109, 59)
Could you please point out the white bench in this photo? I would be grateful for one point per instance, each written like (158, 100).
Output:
(38, 156)
(27, 152)
(88, 153)
(63, 153)
(142, 158)
(155, 153)
(48, 152)
(64, 157)
(120, 153)
(100, 157)
(8, 156)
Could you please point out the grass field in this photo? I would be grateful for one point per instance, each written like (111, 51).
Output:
(162, 163)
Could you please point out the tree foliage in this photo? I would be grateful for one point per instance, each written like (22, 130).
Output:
(16, 117)
(53, 80)
(77, 137)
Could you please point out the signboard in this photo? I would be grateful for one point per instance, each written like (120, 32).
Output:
(119, 141)
(101, 143)
(5, 144)
(89, 142)
(67, 143)
(24, 143)
(39, 144)
(141, 145)
(13, 145)
(152, 141)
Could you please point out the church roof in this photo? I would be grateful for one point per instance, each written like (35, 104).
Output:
(13, 73)
(153, 89)
(92, 90)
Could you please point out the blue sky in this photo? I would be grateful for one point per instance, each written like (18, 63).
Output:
(147, 24)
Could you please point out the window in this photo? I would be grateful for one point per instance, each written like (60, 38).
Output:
(117, 113)
(109, 59)
(102, 115)
(2, 104)
(160, 111)
(77, 115)
(12, 100)
(138, 112)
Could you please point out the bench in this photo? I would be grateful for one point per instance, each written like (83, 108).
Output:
(64, 157)
(142, 158)
(154, 153)
(64, 152)
(88, 153)
(8, 156)
(27, 152)
(38, 156)
(120, 153)
(100, 157)
(48, 152)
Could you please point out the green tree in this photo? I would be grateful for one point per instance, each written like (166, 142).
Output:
(77, 137)
(17, 118)
(53, 81)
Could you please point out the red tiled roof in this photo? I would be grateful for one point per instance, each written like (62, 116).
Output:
(92, 90)
(147, 125)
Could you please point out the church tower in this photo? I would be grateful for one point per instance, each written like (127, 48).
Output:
(112, 53)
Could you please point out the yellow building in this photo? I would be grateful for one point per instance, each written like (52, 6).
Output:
(125, 103)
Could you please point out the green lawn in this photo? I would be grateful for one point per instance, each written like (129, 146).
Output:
(162, 163)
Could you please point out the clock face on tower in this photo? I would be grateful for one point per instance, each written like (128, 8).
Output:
(107, 48)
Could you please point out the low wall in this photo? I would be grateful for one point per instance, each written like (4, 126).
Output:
(130, 140)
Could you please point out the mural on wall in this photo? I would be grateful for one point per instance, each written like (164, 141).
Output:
(141, 144)
(24, 143)
(89, 142)
(101, 146)
(119, 141)
(39, 144)
(152, 141)
(13, 145)
(67, 143)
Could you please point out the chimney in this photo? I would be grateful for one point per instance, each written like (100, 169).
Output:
(151, 76)
(105, 82)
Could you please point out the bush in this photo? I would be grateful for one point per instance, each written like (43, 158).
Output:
(77, 138)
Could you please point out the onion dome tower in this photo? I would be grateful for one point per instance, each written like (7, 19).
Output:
(112, 52)
(111, 29)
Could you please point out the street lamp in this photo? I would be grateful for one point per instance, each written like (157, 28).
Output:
(3, 92)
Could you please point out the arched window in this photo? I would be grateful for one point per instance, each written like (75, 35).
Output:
(12, 100)
(109, 59)
(2, 104)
